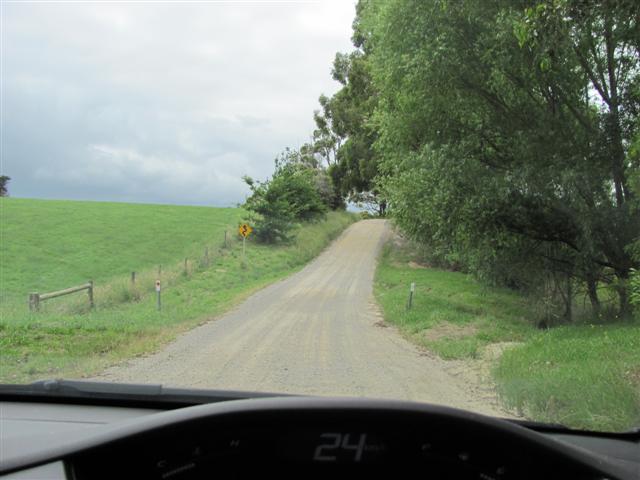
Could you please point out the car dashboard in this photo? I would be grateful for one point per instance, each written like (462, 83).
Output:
(246, 437)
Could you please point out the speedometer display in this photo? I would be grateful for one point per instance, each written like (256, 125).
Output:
(333, 447)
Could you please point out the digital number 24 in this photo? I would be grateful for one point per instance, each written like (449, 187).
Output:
(337, 442)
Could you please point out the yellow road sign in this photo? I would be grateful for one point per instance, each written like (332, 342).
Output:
(244, 230)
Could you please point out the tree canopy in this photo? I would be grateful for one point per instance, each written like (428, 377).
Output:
(4, 189)
(503, 134)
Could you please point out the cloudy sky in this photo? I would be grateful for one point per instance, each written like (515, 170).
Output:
(160, 102)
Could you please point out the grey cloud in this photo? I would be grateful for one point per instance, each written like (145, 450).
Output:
(167, 103)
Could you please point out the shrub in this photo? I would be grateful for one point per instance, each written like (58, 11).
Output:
(290, 196)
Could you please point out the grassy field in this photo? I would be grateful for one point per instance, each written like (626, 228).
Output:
(584, 376)
(51, 244)
(66, 338)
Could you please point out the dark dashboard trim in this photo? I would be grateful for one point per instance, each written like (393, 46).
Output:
(299, 406)
(159, 397)
(151, 396)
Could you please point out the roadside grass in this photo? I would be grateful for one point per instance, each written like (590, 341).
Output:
(451, 314)
(67, 339)
(583, 376)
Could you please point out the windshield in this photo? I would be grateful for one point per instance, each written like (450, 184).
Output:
(434, 201)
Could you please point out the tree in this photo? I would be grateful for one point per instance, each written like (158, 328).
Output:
(634, 248)
(4, 190)
(306, 159)
(344, 131)
(325, 141)
(502, 133)
(291, 195)
(274, 220)
(600, 43)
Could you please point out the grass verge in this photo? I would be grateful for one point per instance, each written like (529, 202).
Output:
(583, 376)
(66, 339)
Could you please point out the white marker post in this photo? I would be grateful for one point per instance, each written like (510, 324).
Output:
(411, 290)
(158, 289)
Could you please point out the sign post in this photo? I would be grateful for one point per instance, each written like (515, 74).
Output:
(158, 292)
(90, 293)
(244, 230)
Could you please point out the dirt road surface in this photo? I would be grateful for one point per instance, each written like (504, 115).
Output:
(318, 332)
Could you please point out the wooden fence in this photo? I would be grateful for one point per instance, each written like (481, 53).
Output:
(204, 261)
(36, 298)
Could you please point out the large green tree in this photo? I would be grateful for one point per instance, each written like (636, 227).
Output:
(502, 133)
(345, 133)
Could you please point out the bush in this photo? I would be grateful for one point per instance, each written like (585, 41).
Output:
(291, 196)
(297, 186)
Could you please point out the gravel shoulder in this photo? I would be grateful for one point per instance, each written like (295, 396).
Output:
(318, 332)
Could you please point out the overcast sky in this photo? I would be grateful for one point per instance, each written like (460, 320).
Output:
(160, 102)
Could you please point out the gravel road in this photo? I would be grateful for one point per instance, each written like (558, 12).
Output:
(317, 332)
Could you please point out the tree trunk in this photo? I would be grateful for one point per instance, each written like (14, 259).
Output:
(623, 294)
(568, 313)
(592, 290)
(614, 124)
(382, 208)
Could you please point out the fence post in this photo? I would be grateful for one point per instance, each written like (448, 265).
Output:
(133, 278)
(36, 298)
(186, 267)
(90, 292)
(34, 301)
(225, 239)
(206, 256)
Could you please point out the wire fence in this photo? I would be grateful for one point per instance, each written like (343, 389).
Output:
(138, 284)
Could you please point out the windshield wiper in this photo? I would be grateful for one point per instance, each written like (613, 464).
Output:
(120, 394)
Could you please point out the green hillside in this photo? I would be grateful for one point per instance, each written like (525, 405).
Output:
(52, 244)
